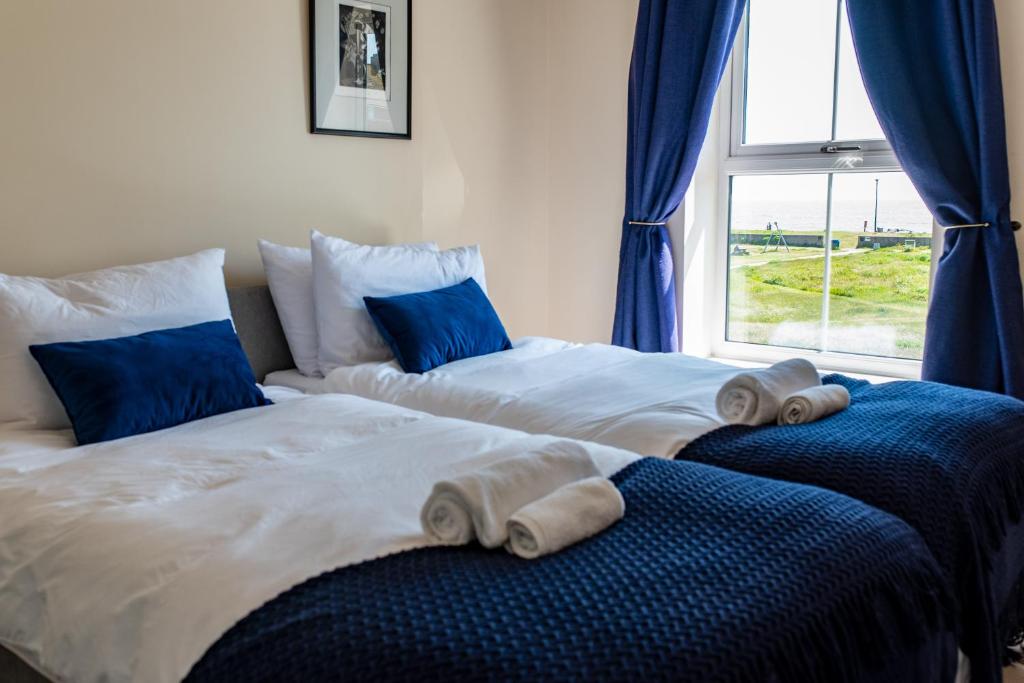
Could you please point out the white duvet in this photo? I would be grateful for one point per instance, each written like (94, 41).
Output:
(653, 404)
(126, 561)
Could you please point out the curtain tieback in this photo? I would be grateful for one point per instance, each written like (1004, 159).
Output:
(1014, 225)
(646, 223)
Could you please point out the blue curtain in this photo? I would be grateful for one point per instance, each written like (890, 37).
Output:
(931, 69)
(679, 53)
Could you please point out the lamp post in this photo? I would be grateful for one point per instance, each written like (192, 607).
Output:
(876, 204)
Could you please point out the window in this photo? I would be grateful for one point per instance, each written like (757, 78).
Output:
(829, 245)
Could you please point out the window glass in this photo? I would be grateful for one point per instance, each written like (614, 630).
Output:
(855, 119)
(879, 263)
(776, 265)
(878, 286)
(790, 69)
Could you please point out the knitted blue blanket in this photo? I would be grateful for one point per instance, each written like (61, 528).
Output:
(711, 576)
(948, 461)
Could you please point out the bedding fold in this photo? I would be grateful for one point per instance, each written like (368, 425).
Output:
(645, 403)
(947, 460)
(477, 505)
(832, 591)
(813, 404)
(756, 397)
(565, 517)
(111, 570)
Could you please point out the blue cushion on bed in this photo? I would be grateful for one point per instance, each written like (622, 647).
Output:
(429, 329)
(119, 387)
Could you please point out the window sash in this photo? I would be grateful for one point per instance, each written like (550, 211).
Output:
(792, 150)
(738, 158)
(721, 347)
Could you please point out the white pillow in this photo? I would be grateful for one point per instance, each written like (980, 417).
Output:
(289, 273)
(105, 304)
(343, 275)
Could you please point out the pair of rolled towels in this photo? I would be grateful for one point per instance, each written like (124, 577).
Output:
(534, 504)
(787, 393)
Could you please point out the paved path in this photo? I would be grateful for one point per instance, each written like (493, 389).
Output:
(753, 260)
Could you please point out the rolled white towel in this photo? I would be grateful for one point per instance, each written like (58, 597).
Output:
(755, 397)
(814, 403)
(572, 513)
(446, 517)
(479, 504)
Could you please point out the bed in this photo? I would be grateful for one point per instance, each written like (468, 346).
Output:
(283, 543)
(959, 479)
(245, 545)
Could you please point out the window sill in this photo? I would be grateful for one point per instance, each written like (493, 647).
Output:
(874, 370)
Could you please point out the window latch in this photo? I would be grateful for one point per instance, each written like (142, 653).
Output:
(836, 149)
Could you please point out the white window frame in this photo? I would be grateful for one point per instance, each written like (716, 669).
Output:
(739, 159)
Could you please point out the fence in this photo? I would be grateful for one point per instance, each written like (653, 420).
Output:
(792, 239)
(883, 241)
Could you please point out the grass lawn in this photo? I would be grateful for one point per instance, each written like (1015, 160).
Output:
(878, 299)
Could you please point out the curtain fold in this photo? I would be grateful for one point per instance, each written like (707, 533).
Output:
(931, 70)
(680, 50)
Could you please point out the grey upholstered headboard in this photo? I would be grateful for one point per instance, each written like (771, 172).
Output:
(259, 329)
(14, 670)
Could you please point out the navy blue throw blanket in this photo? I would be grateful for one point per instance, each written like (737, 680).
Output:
(711, 576)
(949, 461)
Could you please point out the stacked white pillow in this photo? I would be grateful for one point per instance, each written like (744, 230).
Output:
(318, 293)
(343, 274)
(290, 278)
(104, 304)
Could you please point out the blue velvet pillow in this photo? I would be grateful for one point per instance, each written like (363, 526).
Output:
(429, 329)
(119, 387)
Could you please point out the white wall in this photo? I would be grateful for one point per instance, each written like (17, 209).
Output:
(590, 42)
(133, 130)
(1011, 45)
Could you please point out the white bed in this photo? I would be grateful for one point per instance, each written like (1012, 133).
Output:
(125, 561)
(651, 404)
(128, 560)
(654, 404)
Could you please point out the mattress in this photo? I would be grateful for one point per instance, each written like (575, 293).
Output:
(295, 381)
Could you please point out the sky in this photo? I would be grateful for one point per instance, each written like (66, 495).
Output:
(814, 187)
(791, 63)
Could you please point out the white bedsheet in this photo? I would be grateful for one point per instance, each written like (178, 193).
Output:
(125, 561)
(653, 404)
(296, 381)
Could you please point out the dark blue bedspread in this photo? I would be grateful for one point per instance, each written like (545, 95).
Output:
(711, 576)
(949, 461)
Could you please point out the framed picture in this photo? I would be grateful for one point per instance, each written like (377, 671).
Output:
(360, 67)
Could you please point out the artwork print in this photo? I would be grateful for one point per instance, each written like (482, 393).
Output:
(363, 42)
(360, 68)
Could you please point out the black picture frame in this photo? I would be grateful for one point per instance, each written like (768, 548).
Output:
(314, 127)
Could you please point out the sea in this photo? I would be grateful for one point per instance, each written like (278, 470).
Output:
(810, 216)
